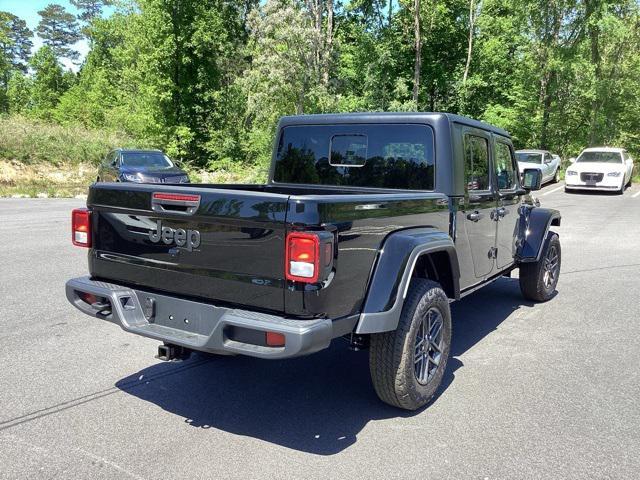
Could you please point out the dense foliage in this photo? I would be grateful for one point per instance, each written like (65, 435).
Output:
(208, 79)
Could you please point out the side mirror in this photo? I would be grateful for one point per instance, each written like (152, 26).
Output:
(548, 160)
(572, 160)
(114, 163)
(531, 179)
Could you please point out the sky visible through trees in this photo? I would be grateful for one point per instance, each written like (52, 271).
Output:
(207, 80)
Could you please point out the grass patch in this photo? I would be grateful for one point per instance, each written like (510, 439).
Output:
(248, 174)
(40, 159)
(32, 141)
(70, 180)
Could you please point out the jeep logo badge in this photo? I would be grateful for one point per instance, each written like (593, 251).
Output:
(188, 239)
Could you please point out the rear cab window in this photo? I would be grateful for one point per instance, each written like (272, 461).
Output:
(395, 156)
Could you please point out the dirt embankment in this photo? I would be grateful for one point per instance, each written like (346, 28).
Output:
(44, 180)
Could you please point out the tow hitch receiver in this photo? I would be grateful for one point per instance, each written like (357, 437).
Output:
(169, 352)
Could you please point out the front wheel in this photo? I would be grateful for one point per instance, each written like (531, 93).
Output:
(407, 364)
(538, 280)
(556, 177)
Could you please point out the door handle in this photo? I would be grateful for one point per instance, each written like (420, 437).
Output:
(475, 216)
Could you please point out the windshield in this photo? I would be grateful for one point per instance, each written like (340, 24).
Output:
(529, 157)
(146, 159)
(600, 157)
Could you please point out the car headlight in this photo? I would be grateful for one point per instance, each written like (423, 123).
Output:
(571, 172)
(131, 177)
(614, 174)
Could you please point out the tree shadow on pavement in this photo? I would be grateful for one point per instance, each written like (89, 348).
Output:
(316, 404)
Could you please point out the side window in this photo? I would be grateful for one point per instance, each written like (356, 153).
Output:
(547, 157)
(505, 171)
(476, 162)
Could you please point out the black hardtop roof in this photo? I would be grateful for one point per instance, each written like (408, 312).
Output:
(393, 117)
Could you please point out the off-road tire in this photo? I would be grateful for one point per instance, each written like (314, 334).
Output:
(532, 275)
(392, 354)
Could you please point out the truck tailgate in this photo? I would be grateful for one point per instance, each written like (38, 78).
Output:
(218, 244)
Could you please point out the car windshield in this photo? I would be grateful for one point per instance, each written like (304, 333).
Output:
(146, 159)
(529, 157)
(600, 157)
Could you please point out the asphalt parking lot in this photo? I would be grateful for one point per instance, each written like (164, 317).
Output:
(532, 391)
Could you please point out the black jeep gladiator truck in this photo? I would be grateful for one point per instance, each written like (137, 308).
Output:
(368, 227)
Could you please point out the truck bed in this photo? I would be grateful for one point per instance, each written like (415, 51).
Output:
(239, 259)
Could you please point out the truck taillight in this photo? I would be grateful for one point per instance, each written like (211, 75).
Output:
(81, 227)
(302, 257)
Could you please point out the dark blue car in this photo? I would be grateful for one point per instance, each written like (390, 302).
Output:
(140, 166)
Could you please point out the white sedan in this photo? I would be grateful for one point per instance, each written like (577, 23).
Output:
(601, 168)
(544, 161)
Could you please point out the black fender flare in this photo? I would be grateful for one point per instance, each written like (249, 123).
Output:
(392, 275)
(535, 223)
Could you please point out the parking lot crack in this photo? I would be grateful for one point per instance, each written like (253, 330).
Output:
(62, 406)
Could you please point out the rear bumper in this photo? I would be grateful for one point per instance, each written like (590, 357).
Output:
(197, 325)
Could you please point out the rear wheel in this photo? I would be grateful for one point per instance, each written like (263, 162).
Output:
(407, 364)
(538, 280)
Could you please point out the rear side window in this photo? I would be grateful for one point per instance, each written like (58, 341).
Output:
(505, 171)
(476, 162)
(378, 156)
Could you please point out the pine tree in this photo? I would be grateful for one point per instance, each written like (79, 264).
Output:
(89, 9)
(15, 41)
(59, 30)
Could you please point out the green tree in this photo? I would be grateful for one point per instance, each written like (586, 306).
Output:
(48, 83)
(15, 48)
(15, 41)
(90, 9)
(59, 29)
(19, 92)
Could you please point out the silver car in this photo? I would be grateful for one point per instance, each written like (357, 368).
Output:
(543, 160)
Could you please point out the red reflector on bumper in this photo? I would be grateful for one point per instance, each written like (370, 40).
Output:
(274, 339)
(89, 298)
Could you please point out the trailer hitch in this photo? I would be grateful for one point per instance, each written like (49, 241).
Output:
(169, 352)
